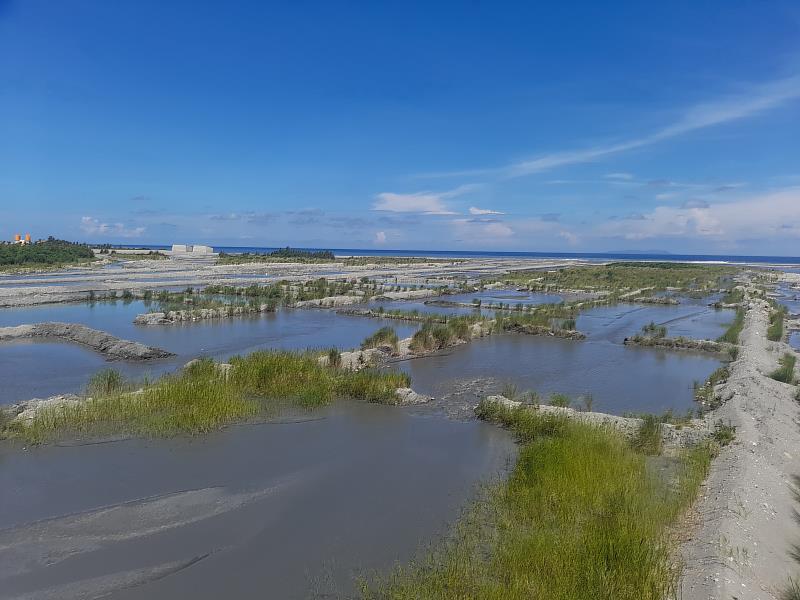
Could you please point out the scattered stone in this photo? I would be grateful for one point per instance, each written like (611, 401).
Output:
(409, 396)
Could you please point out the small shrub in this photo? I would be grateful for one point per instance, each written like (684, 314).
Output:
(334, 358)
(732, 334)
(422, 341)
(648, 438)
(775, 329)
(384, 336)
(568, 324)
(723, 434)
(510, 391)
(560, 400)
(785, 372)
(105, 383)
(655, 331)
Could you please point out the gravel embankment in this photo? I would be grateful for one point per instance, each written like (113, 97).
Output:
(106, 344)
(743, 526)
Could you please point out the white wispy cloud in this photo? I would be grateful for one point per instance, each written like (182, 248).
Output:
(621, 176)
(380, 237)
(474, 210)
(754, 101)
(769, 216)
(426, 203)
(93, 226)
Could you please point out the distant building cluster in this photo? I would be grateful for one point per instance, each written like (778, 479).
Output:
(22, 241)
(192, 251)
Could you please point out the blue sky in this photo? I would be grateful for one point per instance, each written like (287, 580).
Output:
(586, 126)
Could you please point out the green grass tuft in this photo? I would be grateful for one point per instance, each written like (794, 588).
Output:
(648, 438)
(581, 516)
(385, 336)
(775, 329)
(732, 334)
(785, 372)
(206, 396)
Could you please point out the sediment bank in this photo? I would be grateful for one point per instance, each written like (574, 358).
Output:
(104, 343)
(173, 317)
(680, 343)
(742, 530)
(673, 437)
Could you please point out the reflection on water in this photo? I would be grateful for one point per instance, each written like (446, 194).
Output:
(274, 511)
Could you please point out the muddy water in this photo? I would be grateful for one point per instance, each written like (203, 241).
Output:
(282, 510)
(620, 378)
(31, 369)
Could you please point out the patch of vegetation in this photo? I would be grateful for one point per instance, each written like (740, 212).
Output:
(207, 396)
(280, 255)
(775, 329)
(785, 370)
(106, 382)
(792, 589)
(581, 516)
(704, 393)
(151, 255)
(731, 335)
(49, 252)
(334, 358)
(626, 276)
(654, 331)
(723, 433)
(560, 400)
(325, 256)
(435, 336)
(385, 336)
(648, 439)
(254, 297)
(510, 391)
(732, 296)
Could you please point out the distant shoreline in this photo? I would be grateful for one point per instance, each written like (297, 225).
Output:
(598, 256)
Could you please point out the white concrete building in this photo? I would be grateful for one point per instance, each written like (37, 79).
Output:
(192, 251)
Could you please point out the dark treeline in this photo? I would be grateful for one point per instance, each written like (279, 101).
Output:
(44, 252)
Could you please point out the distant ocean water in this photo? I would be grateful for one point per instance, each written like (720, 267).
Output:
(591, 256)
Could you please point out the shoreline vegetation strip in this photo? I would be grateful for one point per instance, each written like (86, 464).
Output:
(584, 514)
(206, 396)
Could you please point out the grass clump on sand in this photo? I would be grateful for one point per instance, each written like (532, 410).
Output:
(206, 396)
(731, 335)
(775, 329)
(385, 336)
(581, 516)
(435, 336)
(655, 331)
(648, 439)
(704, 393)
(785, 370)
